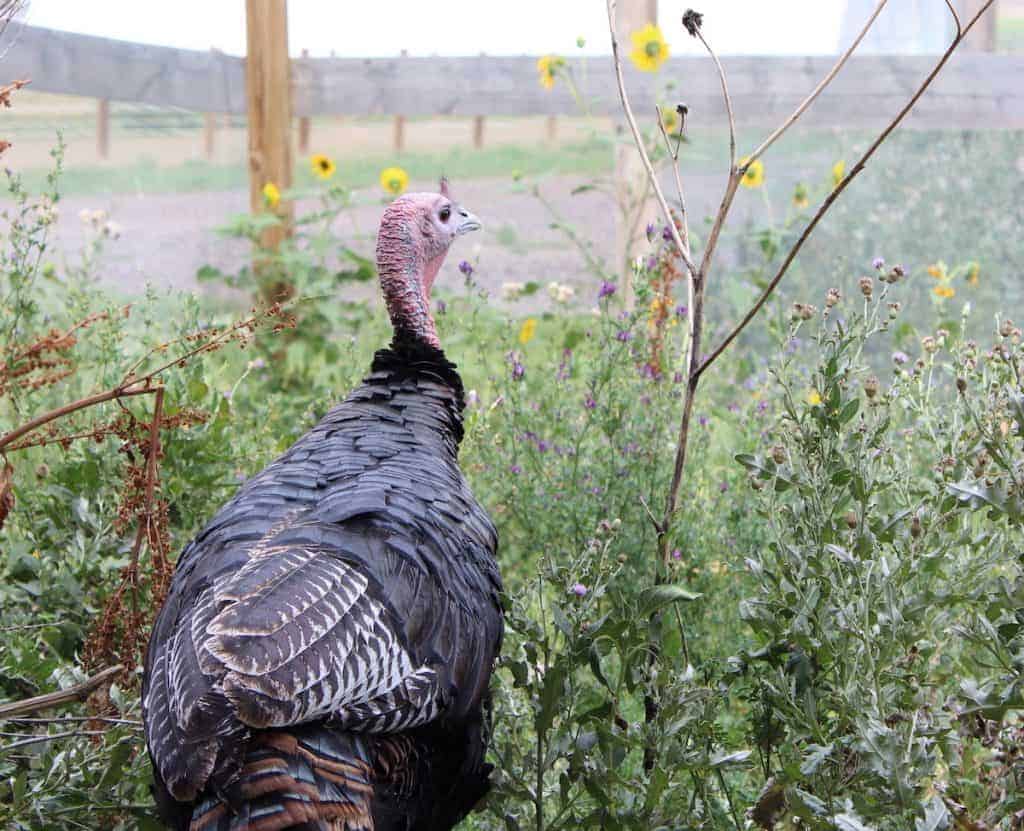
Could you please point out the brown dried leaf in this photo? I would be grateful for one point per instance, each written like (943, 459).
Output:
(6, 492)
(770, 806)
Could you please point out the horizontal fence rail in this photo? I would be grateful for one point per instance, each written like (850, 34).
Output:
(978, 91)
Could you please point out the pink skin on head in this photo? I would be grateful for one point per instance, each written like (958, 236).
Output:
(414, 237)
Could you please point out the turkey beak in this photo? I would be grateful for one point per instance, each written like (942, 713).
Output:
(467, 223)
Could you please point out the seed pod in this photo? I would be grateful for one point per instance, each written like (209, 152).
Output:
(851, 520)
(871, 386)
(778, 454)
(961, 385)
(915, 527)
(832, 298)
(867, 287)
(1006, 328)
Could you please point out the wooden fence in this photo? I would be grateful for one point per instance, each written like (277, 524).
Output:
(976, 90)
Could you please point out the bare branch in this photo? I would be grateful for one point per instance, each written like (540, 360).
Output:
(79, 692)
(638, 140)
(827, 204)
(728, 103)
(799, 111)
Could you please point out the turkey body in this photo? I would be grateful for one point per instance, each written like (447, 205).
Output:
(323, 657)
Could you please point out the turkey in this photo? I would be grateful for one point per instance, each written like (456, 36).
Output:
(323, 657)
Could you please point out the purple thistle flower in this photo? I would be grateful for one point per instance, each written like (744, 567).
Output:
(650, 231)
(227, 394)
(900, 358)
(607, 290)
(878, 262)
(624, 335)
(723, 487)
(466, 268)
(677, 554)
(677, 377)
(589, 402)
(518, 371)
(579, 589)
(682, 311)
(515, 469)
(651, 263)
(703, 420)
(666, 234)
(596, 491)
(542, 446)
(762, 406)
(441, 306)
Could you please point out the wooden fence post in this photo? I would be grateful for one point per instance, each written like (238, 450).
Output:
(636, 203)
(268, 96)
(304, 120)
(478, 132)
(103, 128)
(398, 141)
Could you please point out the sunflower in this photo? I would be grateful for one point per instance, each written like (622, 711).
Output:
(649, 48)
(800, 198)
(271, 195)
(838, 172)
(394, 180)
(323, 166)
(527, 332)
(548, 67)
(754, 176)
(670, 118)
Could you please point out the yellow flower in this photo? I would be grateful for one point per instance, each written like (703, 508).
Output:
(271, 195)
(548, 67)
(527, 332)
(945, 292)
(800, 198)
(838, 172)
(670, 118)
(649, 48)
(937, 270)
(754, 177)
(973, 271)
(813, 398)
(394, 180)
(323, 166)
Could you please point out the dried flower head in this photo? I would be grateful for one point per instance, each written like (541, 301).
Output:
(867, 287)
(692, 21)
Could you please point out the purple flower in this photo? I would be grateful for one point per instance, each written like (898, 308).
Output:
(734, 407)
(515, 469)
(723, 487)
(466, 268)
(607, 290)
(259, 363)
(681, 311)
(589, 402)
(878, 262)
(703, 420)
(666, 234)
(227, 394)
(792, 346)
(651, 263)
(677, 377)
(650, 231)
(542, 446)
(518, 371)
(579, 589)
(762, 406)
(596, 491)
(441, 306)
(900, 358)
(624, 335)
(677, 554)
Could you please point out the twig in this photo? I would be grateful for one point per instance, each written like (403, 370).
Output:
(956, 17)
(49, 738)
(74, 406)
(824, 208)
(638, 140)
(799, 111)
(78, 692)
(75, 719)
(728, 102)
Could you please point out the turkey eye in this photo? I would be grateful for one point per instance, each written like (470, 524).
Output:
(446, 212)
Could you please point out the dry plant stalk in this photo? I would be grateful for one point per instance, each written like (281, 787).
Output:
(120, 633)
(698, 275)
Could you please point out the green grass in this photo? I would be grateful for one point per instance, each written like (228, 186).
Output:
(588, 159)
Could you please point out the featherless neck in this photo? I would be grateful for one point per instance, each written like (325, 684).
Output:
(407, 273)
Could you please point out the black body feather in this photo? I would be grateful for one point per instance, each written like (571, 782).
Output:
(323, 656)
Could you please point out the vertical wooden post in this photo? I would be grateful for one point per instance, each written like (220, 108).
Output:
(551, 129)
(982, 38)
(478, 132)
(304, 121)
(268, 95)
(209, 134)
(103, 128)
(636, 203)
(399, 134)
